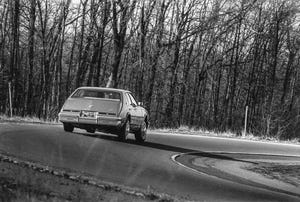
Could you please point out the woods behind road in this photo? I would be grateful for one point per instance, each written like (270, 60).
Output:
(192, 62)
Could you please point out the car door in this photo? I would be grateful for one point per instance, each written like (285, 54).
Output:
(133, 110)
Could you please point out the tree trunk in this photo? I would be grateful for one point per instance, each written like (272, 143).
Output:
(30, 87)
(14, 58)
(186, 72)
(158, 47)
(101, 46)
(79, 77)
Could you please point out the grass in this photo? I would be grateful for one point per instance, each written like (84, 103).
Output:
(228, 134)
(21, 181)
(25, 119)
(288, 173)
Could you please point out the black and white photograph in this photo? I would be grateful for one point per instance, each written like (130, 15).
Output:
(150, 100)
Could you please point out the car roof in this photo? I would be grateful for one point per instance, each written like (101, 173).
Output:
(104, 88)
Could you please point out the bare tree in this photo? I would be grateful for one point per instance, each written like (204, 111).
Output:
(121, 13)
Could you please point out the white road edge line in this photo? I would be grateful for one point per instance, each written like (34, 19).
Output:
(223, 138)
(173, 158)
(225, 152)
(189, 168)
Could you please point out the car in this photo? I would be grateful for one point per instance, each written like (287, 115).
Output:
(107, 110)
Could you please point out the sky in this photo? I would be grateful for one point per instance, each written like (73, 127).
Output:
(75, 1)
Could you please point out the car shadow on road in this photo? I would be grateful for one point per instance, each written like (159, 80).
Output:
(133, 142)
(171, 148)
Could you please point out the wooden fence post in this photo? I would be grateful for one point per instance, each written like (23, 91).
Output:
(10, 101)
(246, 117)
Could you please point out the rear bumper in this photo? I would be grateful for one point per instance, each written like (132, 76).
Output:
(74, 117)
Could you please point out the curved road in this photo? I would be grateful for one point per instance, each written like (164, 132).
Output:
(145, 166)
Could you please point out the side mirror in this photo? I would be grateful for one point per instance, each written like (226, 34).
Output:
(140, 103)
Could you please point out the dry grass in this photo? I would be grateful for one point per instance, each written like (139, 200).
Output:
(228, 134)
(21, 180)
(26, 119)
(282, 172)
(19, 183)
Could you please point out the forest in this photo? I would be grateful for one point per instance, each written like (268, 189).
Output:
(196, 63)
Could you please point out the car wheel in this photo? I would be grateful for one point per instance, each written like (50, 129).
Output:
(68, 127)
(140, 135)
(124, 131)
(91, 130)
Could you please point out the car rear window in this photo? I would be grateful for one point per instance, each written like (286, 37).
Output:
(82, 93)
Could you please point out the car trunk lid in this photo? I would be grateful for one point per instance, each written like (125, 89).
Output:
(101, 105)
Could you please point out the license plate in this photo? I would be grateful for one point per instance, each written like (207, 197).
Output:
(86, 114)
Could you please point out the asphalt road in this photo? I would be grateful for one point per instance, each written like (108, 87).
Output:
(147, 166)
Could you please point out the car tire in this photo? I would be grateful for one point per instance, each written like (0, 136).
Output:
(91, 130)
(124, 131)
(140, 135)
(68, 127)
